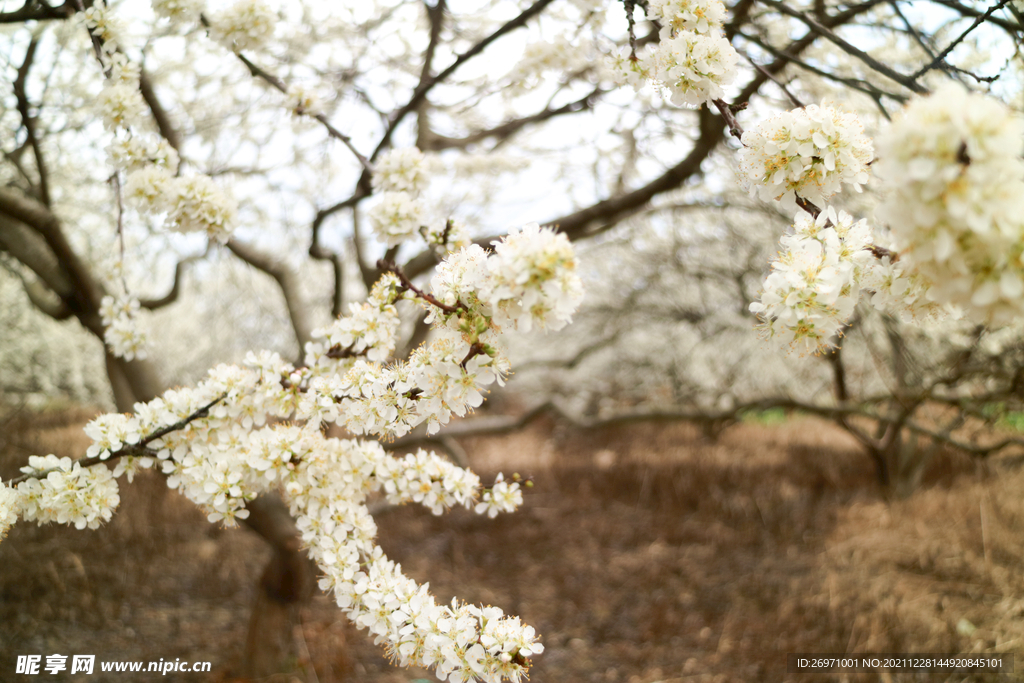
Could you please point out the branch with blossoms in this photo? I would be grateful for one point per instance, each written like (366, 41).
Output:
(123, 431)
(219, 446)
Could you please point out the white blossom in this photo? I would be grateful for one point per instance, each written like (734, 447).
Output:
(120, 105)
(197, 204)
(150, 188)
(692, 67)
(304, 101)
(401, 170)
(810, 152)
(699, 16)
(534, 279)
(140, 150)
(178, 11)
(446, 237)
(68, 494)
(122, 331)
(955, 203)
(814, 284)
(396, 217)
(10, 505)
(105, 25)
(245, 25)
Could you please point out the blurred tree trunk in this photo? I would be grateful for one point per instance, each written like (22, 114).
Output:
(287, 579)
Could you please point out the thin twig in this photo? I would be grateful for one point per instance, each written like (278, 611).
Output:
(949, 48)
(137, 449)
(406, 284)
(728, 113)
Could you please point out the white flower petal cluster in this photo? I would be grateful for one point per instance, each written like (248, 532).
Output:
(693, 67)
(194, 203)
(213, 443)
(529, 280)
(698, 16)
(120, 105)
(122, 69)
(179, 11)
(304, 101)
(503, 497)
(245, 25)
(105, 25)
(563, 54)
(953, 168)
(110, 433)
(401, 170)
(396, 217)
(370, 329)
(429, 387)
(68, 494)
(445, 237)
(10, 507)
(814, 284)
(428, 479)
(122, 330)
(901, 290)
(810, 152)
(533, 279)
(197, 204)
(693, 59)
(135, 152)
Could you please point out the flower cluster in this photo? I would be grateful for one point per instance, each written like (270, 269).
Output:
(370, 329)
(534, 279)
(396, 217)
(503, 497)
(400, 175)
(808, 152)
(121, 329)
(178, 11)
(192, 203)
(952, 165)
(105, 25)
(137, 152)
(692, 61)
(68, 493)
(245, 25)
(119, 105)
(401, 170)
(446, 237)
(304, 101)
(10, 506)
(197, 204)
(698, 16)
(226, 441)
(898, 288)
(815, 282)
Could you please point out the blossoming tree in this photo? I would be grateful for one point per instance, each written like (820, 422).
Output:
(128, 125)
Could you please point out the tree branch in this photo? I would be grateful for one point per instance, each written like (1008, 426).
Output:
(287, 279)
(163, 120)
(37, 11)
(907, 82)
(30, 122)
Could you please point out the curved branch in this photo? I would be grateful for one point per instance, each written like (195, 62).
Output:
(908, 82)
(363, 188)
(163, 120)
(37, 11)
(30, 122)
(434, 142)
(287, 279)
(172, 295)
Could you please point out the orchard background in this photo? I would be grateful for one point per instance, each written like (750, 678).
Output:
(186, 184)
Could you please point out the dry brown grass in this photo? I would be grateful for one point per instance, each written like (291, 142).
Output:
(642, 554)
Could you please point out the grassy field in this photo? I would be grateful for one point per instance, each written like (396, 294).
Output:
(642, 554)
